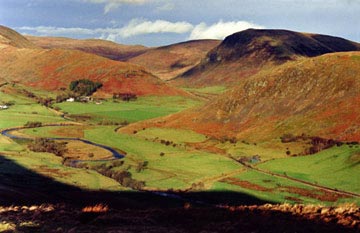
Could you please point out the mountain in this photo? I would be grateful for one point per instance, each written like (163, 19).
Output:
(13, 38)
(165, 62)
(53, 69)
(317, 96)
(169, 61)
(247, 52)
(99, 47)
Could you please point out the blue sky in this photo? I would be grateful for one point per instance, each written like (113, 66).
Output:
(161, 22)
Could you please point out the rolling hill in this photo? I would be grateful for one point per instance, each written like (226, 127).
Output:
(165, 62)
(13, 38)
(317, 96)
(53, 69)
(247, 52)
(99, 47)
(169, 61)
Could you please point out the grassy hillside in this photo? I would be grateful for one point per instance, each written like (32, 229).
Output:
(328, 168)
(141, 109)
(246, 53)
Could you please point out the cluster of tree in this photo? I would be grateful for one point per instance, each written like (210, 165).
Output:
(33, 124)
(124, 177)
(84, 87)
(47, 145)
(40, 100)
(224, 139)
(109, 122)
(9, 103)
(45, 101)
(317, 144)
(125, 96)
(28, 93)
(168, 143)
(198, 186)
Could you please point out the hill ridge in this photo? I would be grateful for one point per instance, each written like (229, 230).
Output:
(245, 53)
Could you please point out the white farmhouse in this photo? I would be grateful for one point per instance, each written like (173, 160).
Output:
(4, 107)
(70, 100)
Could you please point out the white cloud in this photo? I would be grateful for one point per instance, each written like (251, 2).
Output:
(220, 29)
(139, 27)
(114, 4)
(45, 30)
(133, 28)
(142, 27)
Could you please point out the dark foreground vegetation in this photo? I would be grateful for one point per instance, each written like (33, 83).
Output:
(50, 206)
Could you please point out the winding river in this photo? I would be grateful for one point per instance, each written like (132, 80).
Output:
(115, 154)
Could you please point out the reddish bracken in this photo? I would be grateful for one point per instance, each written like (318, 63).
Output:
(99, 208)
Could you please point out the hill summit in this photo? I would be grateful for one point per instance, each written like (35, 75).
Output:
(244, 53)
(13, 38)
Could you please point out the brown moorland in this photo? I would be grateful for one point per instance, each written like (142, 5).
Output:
(170, 61)
(104, 48)
(317, 96)
(53, 69)
(245, 53)
(13, 38)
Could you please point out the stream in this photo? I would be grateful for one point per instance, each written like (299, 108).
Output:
(115, 154)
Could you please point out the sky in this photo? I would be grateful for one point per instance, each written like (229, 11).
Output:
(163, 22)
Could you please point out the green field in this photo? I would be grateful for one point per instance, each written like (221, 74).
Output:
(337, 167)
(141, 109)
(24, 110)
(177, 168)
(176, 159)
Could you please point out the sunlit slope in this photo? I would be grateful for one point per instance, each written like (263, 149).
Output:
(169, 61)
(99, 47)
(316, 96)
(12, 38)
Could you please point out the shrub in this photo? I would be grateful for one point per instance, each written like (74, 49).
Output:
(33, 124)
(84, 86)
(47, 145)
(125, 96)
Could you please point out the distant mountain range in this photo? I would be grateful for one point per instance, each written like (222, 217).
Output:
(52, 69)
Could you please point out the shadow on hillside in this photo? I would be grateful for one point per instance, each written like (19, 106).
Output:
(20, 186)
(139, 211)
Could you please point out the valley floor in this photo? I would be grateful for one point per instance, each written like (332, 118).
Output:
(195, 182)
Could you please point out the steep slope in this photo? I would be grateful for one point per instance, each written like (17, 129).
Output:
(317, 96)
(11, 37)
(102, 48)
(55, 68)
(247, 52)
(169, 61)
